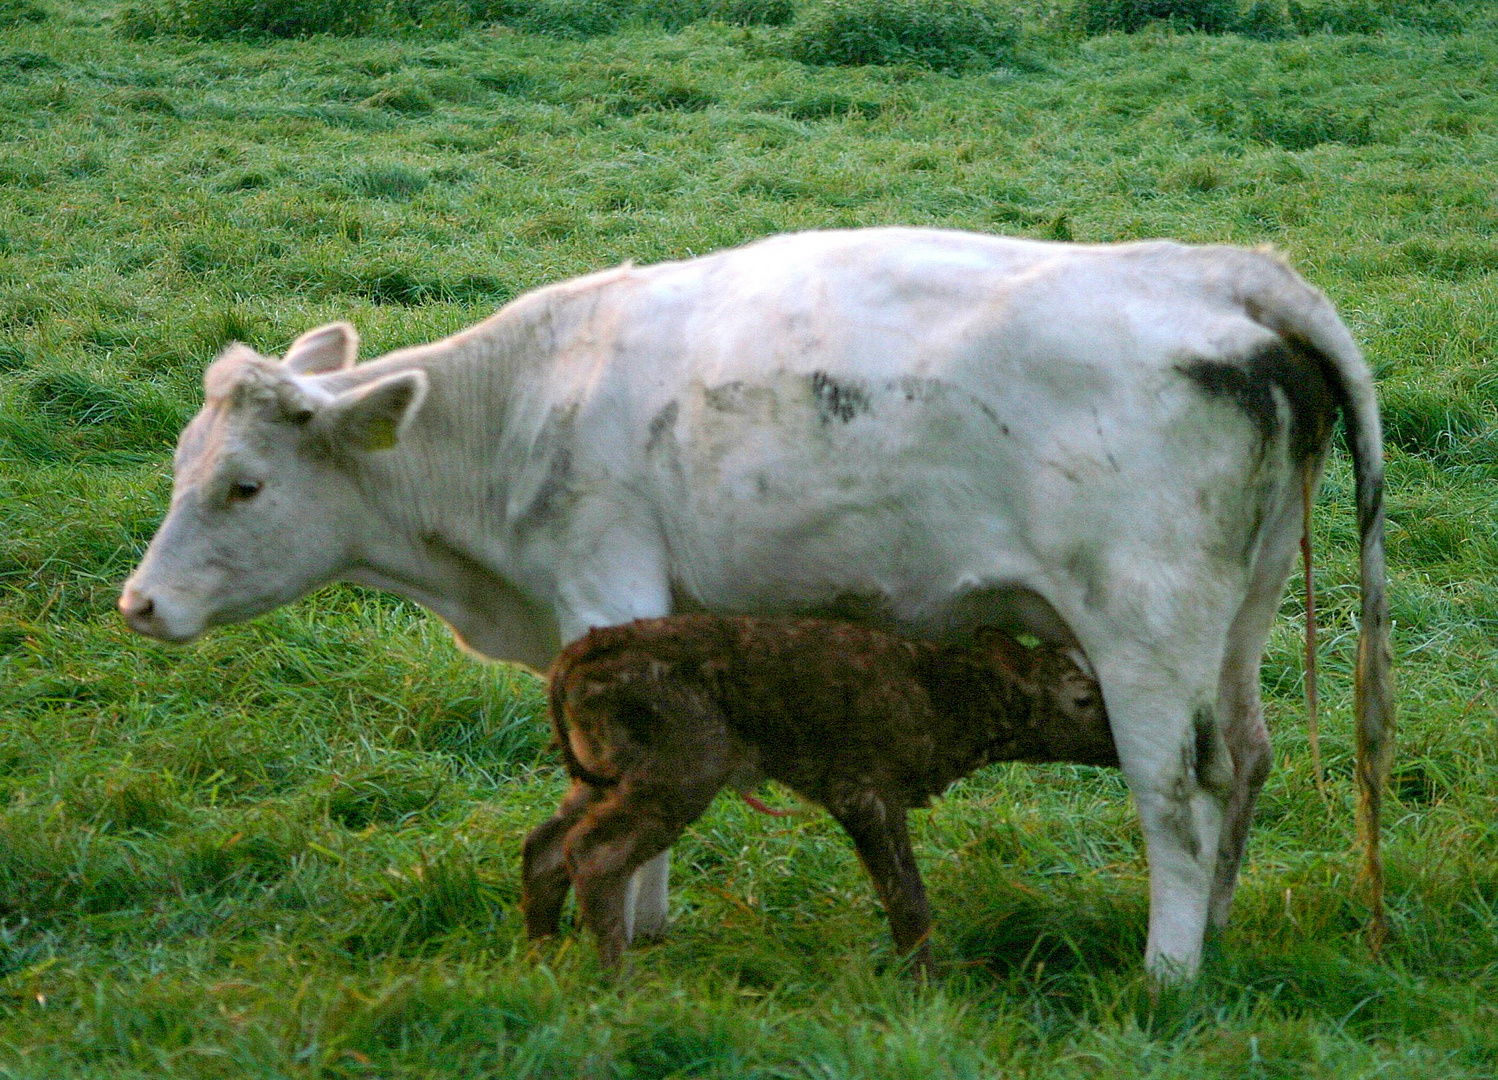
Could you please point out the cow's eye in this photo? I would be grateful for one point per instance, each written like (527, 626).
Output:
(244, 490)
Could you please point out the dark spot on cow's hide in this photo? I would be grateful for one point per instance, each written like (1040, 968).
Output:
(988, 412)
(725, 398)
(837, 400)
(1177, 816)
(1299, 373)
(1083, 564)
(1179, 821)
(934, 392)
(557, 475)
(914, 389)
(660, 424)
(546, 484)
(552, 494)
(1205, 723)
(1198, 769)
(1253, 395)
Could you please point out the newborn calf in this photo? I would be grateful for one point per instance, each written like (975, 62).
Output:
(655, 717)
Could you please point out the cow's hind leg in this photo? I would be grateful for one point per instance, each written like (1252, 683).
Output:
(1248, 742)
(1240, 710)
(883, 843)
(1239, 706)
(1178, 768)
(543, 874)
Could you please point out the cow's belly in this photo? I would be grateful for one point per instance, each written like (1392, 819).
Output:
(913, 504)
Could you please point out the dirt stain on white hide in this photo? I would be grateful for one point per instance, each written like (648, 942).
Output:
(838, 399)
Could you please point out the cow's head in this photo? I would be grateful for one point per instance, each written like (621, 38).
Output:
(265, 503)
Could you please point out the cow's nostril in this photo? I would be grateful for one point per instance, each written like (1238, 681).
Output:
(135, 607)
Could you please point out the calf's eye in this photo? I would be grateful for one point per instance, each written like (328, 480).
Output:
(244, 490)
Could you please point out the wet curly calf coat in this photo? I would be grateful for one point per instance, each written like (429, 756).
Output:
(657, 716)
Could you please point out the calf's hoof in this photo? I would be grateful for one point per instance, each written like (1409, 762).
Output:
(918, 964)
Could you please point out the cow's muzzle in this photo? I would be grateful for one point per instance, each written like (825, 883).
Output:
(144, 615)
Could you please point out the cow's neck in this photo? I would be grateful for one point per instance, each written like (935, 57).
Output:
(438, 531)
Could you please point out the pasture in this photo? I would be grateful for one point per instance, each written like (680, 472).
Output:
(292, 849)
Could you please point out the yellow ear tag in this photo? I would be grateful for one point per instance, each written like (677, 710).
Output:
(379, 435)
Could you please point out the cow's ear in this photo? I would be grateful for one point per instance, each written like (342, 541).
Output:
(375, 416)
(328, 348)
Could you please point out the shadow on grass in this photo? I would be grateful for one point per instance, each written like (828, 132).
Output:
(1011, 927)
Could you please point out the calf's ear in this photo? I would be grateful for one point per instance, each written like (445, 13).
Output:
(375, 416)
(1003, 648)
(328, 348)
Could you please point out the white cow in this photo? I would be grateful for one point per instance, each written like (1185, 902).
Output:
(1105, 446)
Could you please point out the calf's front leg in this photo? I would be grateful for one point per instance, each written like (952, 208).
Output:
(883, 843)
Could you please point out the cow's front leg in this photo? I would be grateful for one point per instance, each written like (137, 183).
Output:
(646, 901)
(1180, 772)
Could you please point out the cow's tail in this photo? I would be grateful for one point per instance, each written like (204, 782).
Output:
(1277, 298)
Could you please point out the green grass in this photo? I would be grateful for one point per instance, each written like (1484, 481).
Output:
(292, 849)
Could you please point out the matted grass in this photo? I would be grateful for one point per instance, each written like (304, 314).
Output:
(292, 849)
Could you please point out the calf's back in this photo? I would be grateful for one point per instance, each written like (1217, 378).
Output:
(822, 706)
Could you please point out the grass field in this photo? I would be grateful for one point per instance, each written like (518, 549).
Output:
(292, 849)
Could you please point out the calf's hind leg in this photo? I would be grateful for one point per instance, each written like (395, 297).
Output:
(632, 824)
(543, 873)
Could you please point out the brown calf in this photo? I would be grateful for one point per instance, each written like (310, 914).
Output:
(655, 717)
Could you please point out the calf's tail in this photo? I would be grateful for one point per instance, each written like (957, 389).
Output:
(558, 682)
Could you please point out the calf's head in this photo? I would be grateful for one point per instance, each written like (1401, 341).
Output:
(265, 504)
(1068, 711)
